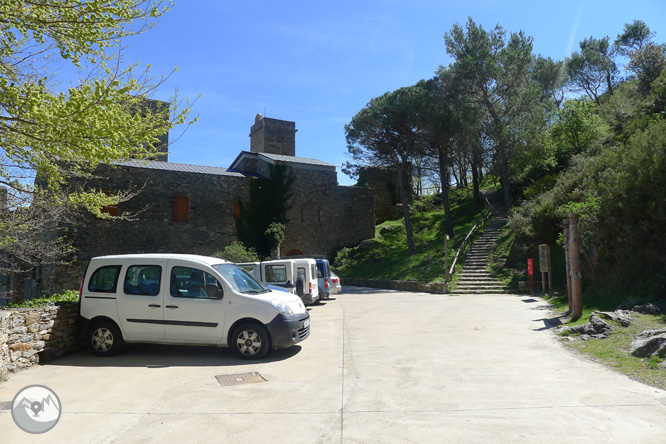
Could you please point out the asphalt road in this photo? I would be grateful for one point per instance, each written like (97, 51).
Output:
(379, 367)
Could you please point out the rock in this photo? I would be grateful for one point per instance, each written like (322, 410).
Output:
(597, 328)
(385, 229)
(648, 333)
(622, 317)
(649, 346)
(20, 347)
(31, 318)
(648, 308)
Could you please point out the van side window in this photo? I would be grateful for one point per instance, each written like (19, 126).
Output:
(276, 273)
(188, 282)
(105, 279)
(143, 280)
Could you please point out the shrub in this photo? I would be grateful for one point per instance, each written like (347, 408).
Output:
(65, 298)
(237, 252)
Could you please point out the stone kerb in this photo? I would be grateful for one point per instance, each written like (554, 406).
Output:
(415, 286)
(30, 334)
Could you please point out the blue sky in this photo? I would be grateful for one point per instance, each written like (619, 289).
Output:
(319, 63)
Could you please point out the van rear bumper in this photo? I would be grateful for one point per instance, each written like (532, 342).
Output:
(287, 330)
(309, 298)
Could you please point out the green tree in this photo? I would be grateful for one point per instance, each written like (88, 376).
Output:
(57, 133)
(386, 133)
(495, 72)
(593, 70)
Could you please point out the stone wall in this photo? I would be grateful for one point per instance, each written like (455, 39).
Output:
(28, 335)
(273, 136)
(414, 286)
(324, 216)
(383, 182)
(211, 225)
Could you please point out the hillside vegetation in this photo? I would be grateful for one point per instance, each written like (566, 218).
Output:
(387, 255)
(583, 135)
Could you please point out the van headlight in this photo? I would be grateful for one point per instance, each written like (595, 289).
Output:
(281, 307)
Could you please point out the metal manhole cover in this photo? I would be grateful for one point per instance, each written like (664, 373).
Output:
(5, 405)
(240, 378)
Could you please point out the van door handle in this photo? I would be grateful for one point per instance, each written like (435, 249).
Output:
(171, 306)
(154, 306)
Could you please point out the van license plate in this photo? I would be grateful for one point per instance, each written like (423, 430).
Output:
(306, 323)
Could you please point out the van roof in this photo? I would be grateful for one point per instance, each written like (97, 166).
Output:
(192, 257)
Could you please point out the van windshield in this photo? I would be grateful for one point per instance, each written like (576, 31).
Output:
(241, 280)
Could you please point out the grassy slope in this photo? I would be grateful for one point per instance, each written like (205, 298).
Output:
(387, 256)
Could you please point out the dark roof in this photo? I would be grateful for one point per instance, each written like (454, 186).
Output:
(294, 159)
(297, 162)
(179, 167)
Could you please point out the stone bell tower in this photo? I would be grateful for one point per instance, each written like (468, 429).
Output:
(273, 136)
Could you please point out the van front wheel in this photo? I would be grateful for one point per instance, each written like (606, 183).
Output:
(105, 339)
(250, 341)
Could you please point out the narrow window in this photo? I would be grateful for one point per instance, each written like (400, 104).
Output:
(237, 210)
(181, 209)
(111, 210)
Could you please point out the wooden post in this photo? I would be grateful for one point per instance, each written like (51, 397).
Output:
(550, 274)
(446, 258)
(576, 278)
(567, 261)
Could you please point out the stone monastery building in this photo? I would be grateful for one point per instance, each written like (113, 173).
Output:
(194, 208)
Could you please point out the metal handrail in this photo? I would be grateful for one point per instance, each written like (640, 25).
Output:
(464, 242)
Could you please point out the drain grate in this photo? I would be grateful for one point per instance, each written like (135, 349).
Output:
(240, 378)
(5, 405)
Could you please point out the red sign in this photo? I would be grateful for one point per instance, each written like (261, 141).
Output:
(530, 267)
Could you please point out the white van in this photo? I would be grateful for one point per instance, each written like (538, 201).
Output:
(287, 273)
(185, 299)
(306, 280)
(281, 273)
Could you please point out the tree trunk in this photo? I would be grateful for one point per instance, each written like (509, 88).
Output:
(475, 175)
(405, 209)
(444, 179)
(505, 179)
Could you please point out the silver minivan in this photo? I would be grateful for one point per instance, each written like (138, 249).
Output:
(185, 299)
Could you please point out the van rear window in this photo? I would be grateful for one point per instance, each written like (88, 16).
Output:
(276, 273)
(104, 279)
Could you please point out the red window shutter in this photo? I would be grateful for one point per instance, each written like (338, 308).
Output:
(181, 209)
(111, 210)
(237, 210)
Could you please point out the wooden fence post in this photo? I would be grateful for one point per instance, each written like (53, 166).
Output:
(567, 262)
(576, 278)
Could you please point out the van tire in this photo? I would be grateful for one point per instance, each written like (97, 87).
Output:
(105, 339)
(250, 341)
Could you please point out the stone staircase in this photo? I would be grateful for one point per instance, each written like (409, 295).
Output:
(475, 275)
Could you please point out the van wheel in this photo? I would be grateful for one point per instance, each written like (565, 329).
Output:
(250, 341)
(105, 339)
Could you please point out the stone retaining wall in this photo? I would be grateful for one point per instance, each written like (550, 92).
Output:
(28, 335)
(416, 286)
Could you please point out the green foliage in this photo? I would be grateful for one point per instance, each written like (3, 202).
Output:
(65, 298)
(59, 134)
(269, 200)
(236, 252)
(275, 234)
(387, 256)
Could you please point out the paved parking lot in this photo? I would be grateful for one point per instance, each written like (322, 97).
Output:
(379, 367)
